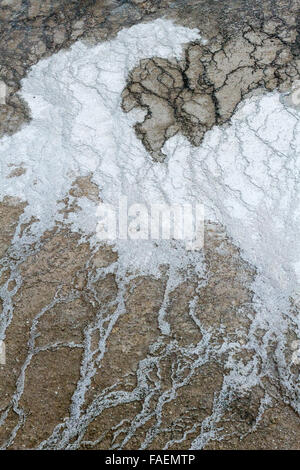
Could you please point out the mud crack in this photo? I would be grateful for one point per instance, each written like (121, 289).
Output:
(204, 89)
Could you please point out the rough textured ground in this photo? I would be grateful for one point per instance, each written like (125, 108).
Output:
(146, 390)
(87, 365)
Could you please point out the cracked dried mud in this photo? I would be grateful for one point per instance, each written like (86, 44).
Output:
(89, 364)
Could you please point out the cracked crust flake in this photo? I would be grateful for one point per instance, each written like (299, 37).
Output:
(204, 89)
